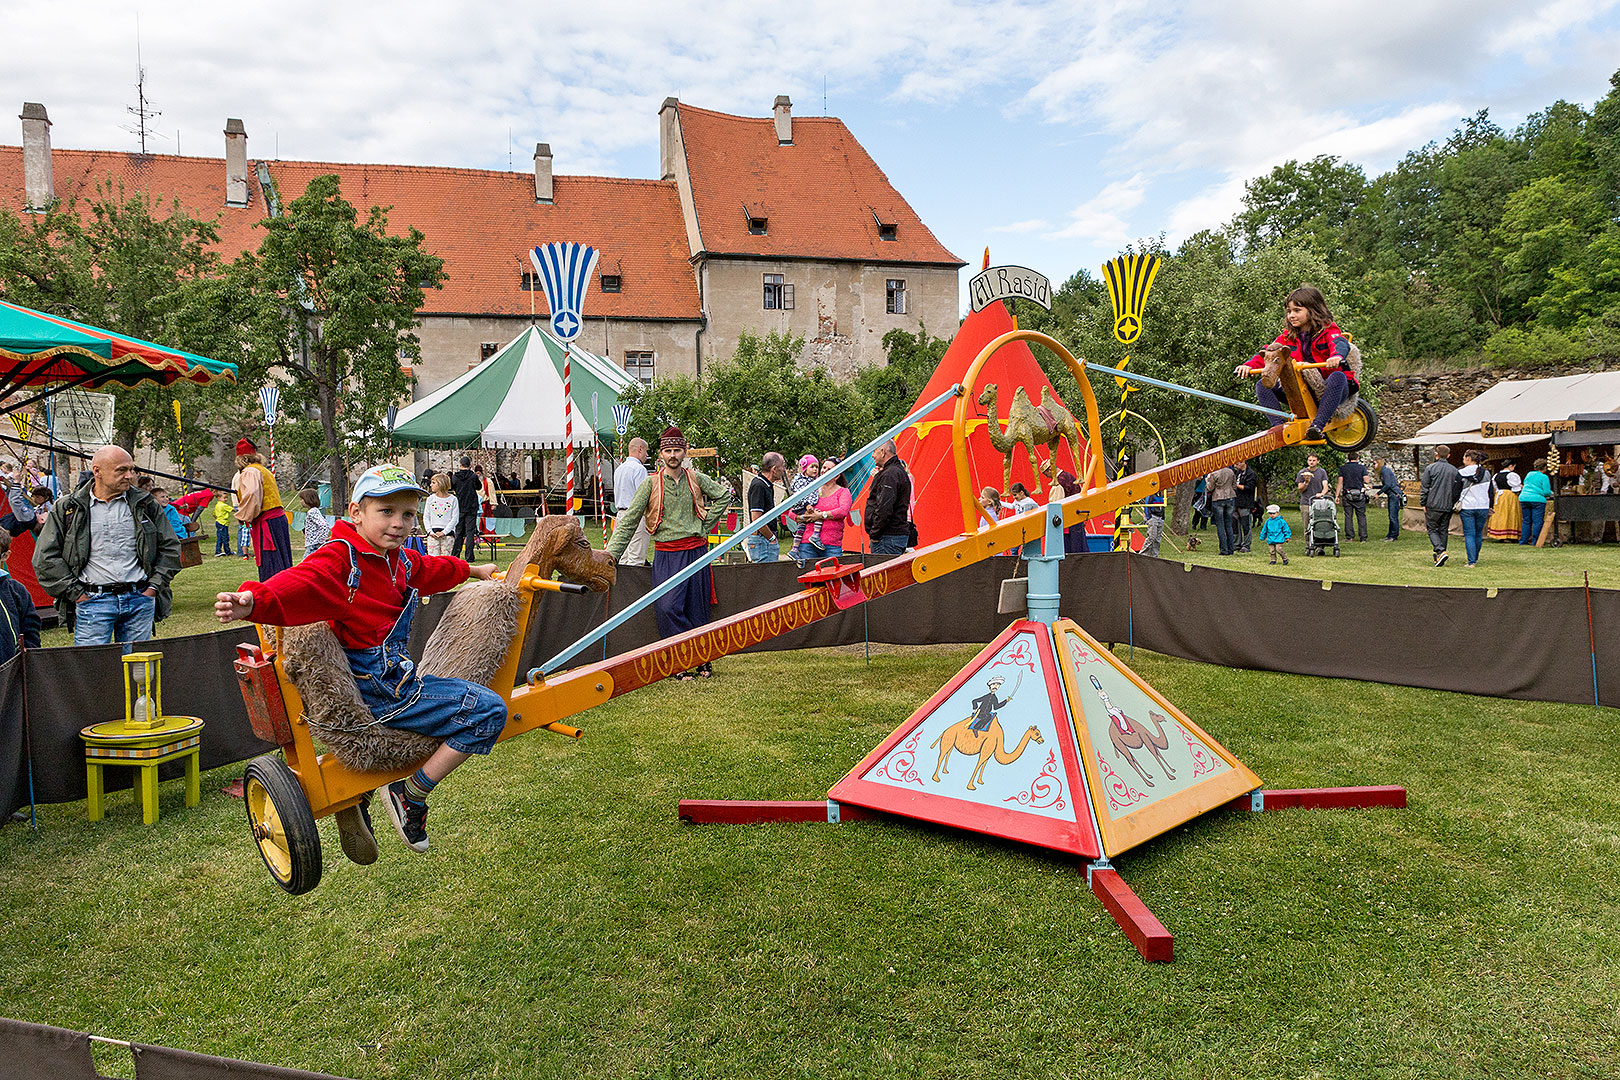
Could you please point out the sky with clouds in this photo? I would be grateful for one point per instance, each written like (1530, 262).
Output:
(1053, 132)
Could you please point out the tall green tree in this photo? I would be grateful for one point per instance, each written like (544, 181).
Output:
(123, 263)
(342, 293)
(757, 400)
(1310, 202)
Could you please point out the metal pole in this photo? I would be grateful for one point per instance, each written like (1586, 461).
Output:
(736, 539)
(1147, 380)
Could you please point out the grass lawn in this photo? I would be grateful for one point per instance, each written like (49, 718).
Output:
(1410, 561)
(564, 923)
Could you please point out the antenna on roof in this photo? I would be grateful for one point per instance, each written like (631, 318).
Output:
(823, 93)
(509, 154)
(141, 110)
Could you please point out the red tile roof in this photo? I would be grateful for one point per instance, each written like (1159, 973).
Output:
(198, 183)
(823, 196)
(481, 223)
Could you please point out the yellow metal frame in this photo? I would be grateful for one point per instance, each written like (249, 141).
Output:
(330, 786)
(1096, 475)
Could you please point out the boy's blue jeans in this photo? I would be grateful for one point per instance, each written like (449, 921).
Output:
(222, 539)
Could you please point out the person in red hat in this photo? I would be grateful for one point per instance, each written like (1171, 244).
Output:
(259, 508)
(680, 506)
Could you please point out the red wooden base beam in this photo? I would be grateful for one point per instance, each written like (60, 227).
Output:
(1147, 933)
(763, 811)
(1322, 798)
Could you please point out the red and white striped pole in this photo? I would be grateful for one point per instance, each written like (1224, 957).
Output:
(568, 425)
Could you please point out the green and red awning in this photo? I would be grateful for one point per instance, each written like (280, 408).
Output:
(37, 349)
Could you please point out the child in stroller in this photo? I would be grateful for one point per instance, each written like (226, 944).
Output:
(1322, 527)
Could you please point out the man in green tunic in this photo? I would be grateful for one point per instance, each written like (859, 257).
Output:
(680, 506)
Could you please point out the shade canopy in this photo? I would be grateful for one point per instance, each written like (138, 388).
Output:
(1521, 401)
(37, 349)
(514, 400)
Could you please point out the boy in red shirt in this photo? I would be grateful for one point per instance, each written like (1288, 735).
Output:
(365, 585)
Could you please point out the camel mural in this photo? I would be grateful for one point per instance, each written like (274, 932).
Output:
(1031, 425)
(1128, 735)
(962, 739)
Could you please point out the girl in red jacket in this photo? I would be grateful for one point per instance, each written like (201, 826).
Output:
(1312, 336)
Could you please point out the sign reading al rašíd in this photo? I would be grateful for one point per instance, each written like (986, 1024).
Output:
(1009, 283)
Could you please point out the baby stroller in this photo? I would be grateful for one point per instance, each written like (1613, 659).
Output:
(1322, 528)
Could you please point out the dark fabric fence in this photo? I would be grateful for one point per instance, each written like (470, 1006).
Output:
(1520, 643)
(34, 1051)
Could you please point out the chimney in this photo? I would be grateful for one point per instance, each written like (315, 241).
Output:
(784, 120)
(39, 185)
(236, 180)
(542, 172)
(669, 137)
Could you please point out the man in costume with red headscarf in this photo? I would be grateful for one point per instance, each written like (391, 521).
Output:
(680, 506)
(258, 506)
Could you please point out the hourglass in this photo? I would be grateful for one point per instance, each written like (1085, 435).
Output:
(143, 690)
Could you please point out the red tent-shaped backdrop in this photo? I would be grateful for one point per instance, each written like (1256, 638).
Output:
(925, 446)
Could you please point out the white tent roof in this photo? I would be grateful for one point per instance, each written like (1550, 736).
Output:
(1523, 401)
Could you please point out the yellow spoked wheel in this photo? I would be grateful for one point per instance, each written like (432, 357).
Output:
(1354, 431)
(282, 825)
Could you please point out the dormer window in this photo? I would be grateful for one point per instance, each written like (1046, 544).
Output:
(531, 281)
(757, 225)
(612, 283)
(888, 232)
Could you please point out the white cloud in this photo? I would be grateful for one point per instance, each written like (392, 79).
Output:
(1102, 218)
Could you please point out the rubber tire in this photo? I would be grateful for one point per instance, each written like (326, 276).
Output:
(1369, 418)
(299, 853)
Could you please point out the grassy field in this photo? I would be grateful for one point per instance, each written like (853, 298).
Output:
(564, 923)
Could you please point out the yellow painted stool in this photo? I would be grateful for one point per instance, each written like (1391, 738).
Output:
(117, 742)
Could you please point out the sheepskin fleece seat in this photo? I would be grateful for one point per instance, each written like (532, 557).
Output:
(1313, 378)
(314, 661)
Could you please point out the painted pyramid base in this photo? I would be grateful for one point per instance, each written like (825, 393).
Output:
(1046, 738)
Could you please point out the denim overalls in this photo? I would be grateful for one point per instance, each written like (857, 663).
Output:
(466, 716)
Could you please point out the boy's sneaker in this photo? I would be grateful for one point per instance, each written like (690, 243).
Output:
(408, 815)
(359, 843)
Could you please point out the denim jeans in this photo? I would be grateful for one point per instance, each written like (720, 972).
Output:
(1224, 524)
(222, 539)
(762, 547)
(1531, 516)
(1473, 525)
(1395, 504)
(891, 545)
(822, 551)
(102, 619)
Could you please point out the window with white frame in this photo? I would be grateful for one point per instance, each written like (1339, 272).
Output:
(639, 365)
(896, 293)
(778, 294)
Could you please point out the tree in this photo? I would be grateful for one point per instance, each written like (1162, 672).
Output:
(755, 401)
(342, 301)
(892, 389)
(1311, 202)
(120, 263)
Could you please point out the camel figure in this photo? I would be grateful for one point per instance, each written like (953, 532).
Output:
(961, 738)
(1031, 425)
(1127, 735)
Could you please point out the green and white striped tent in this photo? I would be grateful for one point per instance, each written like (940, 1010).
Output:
(514, 400)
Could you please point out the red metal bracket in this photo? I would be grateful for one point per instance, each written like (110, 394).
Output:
(843, 581)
